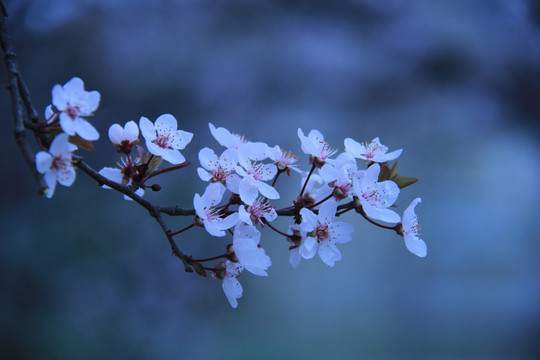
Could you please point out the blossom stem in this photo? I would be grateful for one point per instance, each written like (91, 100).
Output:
(171, 168)
(191, 260)
(339, 213)
(275, 179)
(182, 230)
(307, 180)
(55, 113)
(276, 230)
(320, 202)
(363, 213)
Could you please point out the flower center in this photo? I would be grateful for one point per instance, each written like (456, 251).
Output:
(73, 112)
(220, 175)
(371, 197)
(325, 150)
(287, 158)
(414, 226)
(259, 209)
(321, 231)
(162, 141)
(59, 163)
(212, 214)
(128, 169)
(256, 171)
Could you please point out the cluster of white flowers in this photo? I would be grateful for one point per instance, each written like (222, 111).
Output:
(248, 171)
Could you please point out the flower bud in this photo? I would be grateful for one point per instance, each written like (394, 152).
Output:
(198, 221)
(339, 194)
(229, 252)
(219, 273)
(199, 269)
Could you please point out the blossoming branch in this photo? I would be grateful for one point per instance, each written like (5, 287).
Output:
(238, 199)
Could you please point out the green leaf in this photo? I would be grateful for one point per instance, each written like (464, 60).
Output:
(80, 142)
(385, 172)
(404, 181)
(394, 172)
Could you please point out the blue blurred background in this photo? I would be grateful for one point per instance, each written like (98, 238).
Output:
(456, 84)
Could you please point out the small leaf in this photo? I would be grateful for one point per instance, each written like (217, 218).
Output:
(80, 142)
(154, 164)
(394, 172)
(404, 181)
(385, 172)
(199, 269)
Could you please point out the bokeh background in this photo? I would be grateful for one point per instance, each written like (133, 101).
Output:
(456, 84)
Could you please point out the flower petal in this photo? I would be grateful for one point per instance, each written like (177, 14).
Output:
(131, 131)
(308, 249)
(232, 289)
(173, 156)
(267, 190)
(89, 103)
(354, 147)
(228, 222)
(377, 213)
(67, 124)
(327, 211)
(248, 191)
(181, 139)
(43, 162)
(295, 257)
(148, 129)
(223, 136)
(50, 180)
(116, 134)
(208, 158)
(166, 124)
(340, 231)
(66, 177)
(329, 253)
(415, 245)
(203, 174)
(85, 130)
(113, 174)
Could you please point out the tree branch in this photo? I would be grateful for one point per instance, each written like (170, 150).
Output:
(153, 210)
(21, 103)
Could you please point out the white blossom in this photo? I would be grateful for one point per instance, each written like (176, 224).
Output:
(230, 284)
(163, 139)
(314, 145)
(74, 103)
(214, 222)
(55, 165)
(248, 251)
(255, 212)
(376, 197)
(411, 231)
(124, 137)
(374, 151)
(245, 150)
(122, 174)
(283, 160)
(338, 174)
(252, 181)
(216, 168)
(322, 234)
